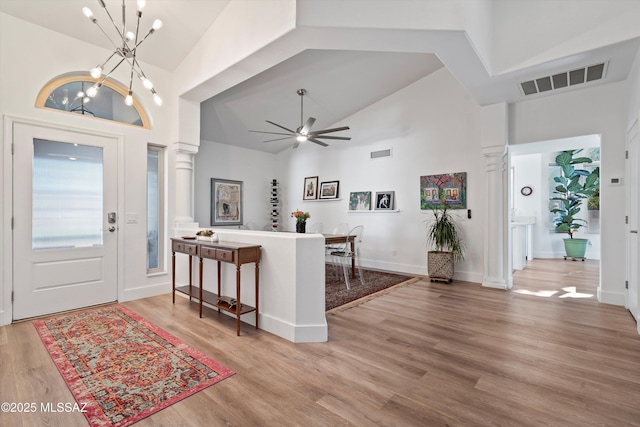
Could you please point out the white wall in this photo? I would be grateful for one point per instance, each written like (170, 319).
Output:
(22, 75)
(598, 110)
(254, 168)
(634, 91)
(432, 127)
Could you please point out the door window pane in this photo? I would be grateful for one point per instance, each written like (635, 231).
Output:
(67, 195)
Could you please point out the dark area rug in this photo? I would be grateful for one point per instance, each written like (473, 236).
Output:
(337, 294)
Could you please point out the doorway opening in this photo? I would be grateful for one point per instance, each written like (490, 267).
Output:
(532, 228)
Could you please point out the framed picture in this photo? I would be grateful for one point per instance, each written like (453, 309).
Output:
(384, 200)
(310, 188)
(226, 202)
(448, 188)
(329, 190)
(360, 201)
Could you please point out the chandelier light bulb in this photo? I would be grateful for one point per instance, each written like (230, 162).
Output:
(157, 100)
(87, 12)
(80, 94)
(141, 5)
(93, 90)
(129, 99)
(157, 24)
(147, 83)
(86, 99)
(130, 36)
(96, 72)
(65, 100)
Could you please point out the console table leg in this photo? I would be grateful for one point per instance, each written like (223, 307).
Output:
(238, 305)
(173, 275)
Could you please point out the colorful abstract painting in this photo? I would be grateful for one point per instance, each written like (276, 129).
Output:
(448, 188)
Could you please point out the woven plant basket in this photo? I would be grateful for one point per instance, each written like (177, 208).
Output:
(440, 266)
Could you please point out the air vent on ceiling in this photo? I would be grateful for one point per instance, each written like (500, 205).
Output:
(381, 153)
(564, 79)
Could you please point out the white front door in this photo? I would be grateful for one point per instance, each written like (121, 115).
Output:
(64, 237)
(633, 242)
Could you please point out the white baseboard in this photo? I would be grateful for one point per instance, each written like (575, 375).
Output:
(613, 298)
(145, 292)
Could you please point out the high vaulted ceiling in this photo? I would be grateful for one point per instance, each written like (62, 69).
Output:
(342, 82)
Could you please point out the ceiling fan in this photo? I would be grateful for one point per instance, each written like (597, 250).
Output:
(303, 132)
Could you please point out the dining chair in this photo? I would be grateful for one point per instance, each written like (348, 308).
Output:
(344, 254)
(315, 228)
(342, 228)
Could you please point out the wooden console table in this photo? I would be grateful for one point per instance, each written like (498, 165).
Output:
(227, 252)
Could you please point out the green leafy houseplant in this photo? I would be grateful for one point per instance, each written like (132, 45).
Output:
(574, 185)
(443, 233)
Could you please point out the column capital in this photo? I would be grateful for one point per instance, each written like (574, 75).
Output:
(186, 147)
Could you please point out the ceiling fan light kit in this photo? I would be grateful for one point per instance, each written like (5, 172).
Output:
(303, 133)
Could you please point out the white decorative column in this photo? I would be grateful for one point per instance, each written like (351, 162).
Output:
(494, 148)
(186, 149)
(185, 154)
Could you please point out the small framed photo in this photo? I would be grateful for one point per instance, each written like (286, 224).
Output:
(329, 190)
(360, 201)
(226, 202)
(310, 188)
(384, 200)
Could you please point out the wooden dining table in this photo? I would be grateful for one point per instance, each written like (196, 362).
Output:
(333, 239)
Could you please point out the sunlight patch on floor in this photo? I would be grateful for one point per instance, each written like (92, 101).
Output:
(569, 292)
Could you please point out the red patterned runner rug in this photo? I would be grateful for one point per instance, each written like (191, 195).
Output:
(122, 368)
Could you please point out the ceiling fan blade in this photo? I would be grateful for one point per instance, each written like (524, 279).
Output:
(281, 127)
(344, 138)
(317, 142)
(277, 139)
(329, 130)
(272, 133)
(307, 126)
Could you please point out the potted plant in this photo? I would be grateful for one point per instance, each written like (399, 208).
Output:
(443, 234)
(575, 184)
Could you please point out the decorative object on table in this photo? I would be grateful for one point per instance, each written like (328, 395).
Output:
(301, 220)
(126, 50)
(275, 205)
(310, 188)
(449, 188)
(206, 236)
(226, 202)
(443, 234)
(329, 190)
(360, 201)
(575, 184)
(303, 132)
(384, 200)
(338, 297)
(105, 354)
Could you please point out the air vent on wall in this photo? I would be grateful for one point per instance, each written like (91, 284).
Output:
(564, 79)
(381, 153)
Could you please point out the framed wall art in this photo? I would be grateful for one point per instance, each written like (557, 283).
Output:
(226, 202)
(329, 190)
(448, 188)
(310, 188)
(360, 201)
(384, 200)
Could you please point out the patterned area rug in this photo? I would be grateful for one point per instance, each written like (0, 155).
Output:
(337, 294)
(120, 367)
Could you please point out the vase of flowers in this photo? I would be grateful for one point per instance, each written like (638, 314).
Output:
(301, 220)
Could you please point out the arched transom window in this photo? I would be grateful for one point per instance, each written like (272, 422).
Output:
(68, 93)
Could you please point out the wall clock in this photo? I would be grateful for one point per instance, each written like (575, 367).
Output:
(526, 191)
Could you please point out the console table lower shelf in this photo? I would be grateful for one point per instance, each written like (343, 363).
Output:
(211, 298)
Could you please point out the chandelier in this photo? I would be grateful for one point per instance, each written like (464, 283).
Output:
(125, 50)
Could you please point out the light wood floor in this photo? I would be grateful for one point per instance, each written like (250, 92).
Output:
(426, 354)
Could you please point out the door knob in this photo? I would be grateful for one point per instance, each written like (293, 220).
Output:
(112, 229)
